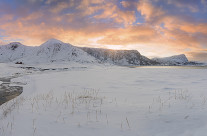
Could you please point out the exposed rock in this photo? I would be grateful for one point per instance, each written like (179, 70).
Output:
(119, 57)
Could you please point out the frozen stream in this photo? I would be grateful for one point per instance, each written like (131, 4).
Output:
(8, 92)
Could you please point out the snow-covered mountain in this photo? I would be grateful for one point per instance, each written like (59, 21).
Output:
(172, 60)
(119, 57)
(56, 51)
(50, 51)
(12, 52)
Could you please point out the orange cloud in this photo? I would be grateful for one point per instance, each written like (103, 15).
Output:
(152, 14)
(194, 28)
(197, 55)
(97, 23)
(126, 4)
(130, 35)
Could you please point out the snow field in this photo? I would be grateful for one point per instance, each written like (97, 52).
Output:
(109, 101)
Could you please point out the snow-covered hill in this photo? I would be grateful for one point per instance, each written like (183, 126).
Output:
(50, 51)
(56, 51)
(12, 52)
(172, 60)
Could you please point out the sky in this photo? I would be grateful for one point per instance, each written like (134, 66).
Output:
(156, 28)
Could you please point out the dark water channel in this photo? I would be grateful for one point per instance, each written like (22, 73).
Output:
(8, 92)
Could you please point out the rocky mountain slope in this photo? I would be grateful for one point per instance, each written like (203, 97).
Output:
(119, 57)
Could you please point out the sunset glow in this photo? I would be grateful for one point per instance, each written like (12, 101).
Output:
(153, 27)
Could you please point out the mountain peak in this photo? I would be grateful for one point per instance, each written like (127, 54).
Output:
(53, 41)
(15, 43)
(179, 55)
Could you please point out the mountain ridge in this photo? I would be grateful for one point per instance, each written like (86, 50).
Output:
(50, 51)
(57, 51)
(119, 57)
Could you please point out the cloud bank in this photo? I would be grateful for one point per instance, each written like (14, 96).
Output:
(154, 27)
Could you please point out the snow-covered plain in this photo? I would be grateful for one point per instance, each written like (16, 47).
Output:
(107, 100)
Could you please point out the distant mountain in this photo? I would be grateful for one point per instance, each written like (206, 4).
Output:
(56, 51)
(172, 60)
(176, 60)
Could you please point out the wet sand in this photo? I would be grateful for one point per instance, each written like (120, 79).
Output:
(8, 92)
